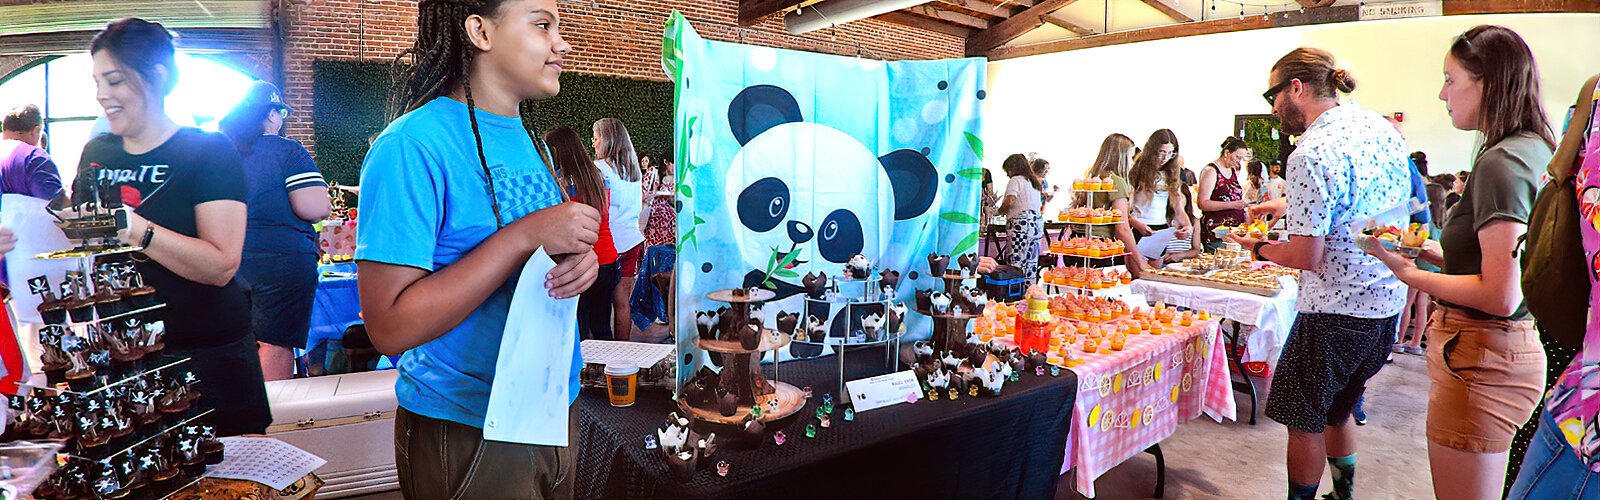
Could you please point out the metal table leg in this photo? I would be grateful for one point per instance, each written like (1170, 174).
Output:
(1161, 469)
(1248, 385)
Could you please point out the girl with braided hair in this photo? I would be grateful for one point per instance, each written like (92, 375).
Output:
(457, 196)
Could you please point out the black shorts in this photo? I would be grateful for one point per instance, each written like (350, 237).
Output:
(282, 289)
(1324, 369)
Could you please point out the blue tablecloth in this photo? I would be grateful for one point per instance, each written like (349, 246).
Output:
(337, 305)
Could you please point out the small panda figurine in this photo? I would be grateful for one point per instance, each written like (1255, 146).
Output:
(858, 267)
(950, 360)
(939, 379)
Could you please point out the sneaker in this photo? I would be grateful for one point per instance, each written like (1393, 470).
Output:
(1397, 349)
(1415, 350)
(1361, 415)
(1389, 360)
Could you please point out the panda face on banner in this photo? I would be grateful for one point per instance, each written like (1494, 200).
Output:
(802, 185)
(799, 185)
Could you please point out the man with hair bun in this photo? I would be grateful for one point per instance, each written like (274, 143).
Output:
(1349, 164)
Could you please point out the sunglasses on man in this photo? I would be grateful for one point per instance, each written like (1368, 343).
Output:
(1271, 94)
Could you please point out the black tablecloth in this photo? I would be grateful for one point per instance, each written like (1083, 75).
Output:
(975, 447)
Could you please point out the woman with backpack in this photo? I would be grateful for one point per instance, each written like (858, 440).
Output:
(1561, 457)
(1485, 361)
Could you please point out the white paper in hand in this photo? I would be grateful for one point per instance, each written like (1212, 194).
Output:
(1155, 245)
(529, 397)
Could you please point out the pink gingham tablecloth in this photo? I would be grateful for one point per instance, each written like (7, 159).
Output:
(1130, 400)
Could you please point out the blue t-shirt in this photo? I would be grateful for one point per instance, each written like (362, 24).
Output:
(273, 168)
(1419, 190)
(425, 204)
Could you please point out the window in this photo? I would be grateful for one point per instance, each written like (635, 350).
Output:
(63, 88)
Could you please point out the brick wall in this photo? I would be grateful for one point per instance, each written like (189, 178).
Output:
(609, 37)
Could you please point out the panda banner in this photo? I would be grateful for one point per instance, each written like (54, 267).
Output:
(792, 164)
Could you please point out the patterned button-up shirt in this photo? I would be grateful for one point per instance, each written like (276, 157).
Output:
(1348, 166)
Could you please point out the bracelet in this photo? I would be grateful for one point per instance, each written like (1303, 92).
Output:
(149, 233)
(1256, 251)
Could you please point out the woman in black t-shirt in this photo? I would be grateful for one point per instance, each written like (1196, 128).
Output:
(186, 191)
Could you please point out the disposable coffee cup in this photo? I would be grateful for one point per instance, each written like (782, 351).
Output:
(622, 384)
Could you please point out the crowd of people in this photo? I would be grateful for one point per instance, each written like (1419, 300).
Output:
(1361, 304)
(457, 195)
(226, 222)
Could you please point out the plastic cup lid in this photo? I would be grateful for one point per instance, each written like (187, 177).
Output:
(621, 369)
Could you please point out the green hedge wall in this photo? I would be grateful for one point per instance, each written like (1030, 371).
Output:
(351, 100)
(349, 106)
(645, 107)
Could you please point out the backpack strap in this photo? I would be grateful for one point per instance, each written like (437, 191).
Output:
(1565, 162)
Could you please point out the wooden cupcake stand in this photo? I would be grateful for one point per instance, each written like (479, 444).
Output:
(741, 371)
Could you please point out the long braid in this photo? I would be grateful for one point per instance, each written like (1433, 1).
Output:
(477, 140)
(441, 38)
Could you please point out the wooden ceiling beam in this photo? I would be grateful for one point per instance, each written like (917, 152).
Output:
(981, 8)
(947, 16)
(904, 19)
(1011, 3)
(1170, 11)
(751, 11)
(1010, 29)
(1222, 25)
(1065, 24)
(1254, 22)
(1468, 7)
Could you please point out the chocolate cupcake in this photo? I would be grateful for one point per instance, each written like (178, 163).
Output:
(211, 446)
(727, 403)
(176, 399)
(750, 334)
(80, 310)
(53, 312)
(108, 304)
(141, 297)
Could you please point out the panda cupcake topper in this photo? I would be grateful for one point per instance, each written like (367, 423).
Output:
(859, 267)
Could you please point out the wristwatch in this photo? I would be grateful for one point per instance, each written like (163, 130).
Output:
(149, 232)
(1256, 250)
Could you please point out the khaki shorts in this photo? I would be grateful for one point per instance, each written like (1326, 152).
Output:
(1487, 377)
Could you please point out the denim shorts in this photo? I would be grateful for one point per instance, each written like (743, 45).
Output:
(1551, 469)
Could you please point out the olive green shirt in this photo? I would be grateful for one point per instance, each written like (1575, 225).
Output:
(1505, 180)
